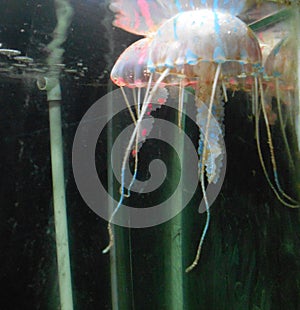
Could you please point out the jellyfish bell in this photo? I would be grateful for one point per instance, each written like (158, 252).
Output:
(206, 47)
(130, 71)
(190, 38)
(195, 43)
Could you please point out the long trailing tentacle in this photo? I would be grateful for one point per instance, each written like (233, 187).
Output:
(202, 182)
(286, 144)
(136, 103)
(271, 148)
(224, 91)
(128, 105)
(148, 96)
(277, 192)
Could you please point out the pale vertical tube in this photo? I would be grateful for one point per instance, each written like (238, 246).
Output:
(50, 83)
(173, 231)
(64, 13)
(59, 204)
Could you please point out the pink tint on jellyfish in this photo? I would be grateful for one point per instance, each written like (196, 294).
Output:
(143, 17)
(130, 70)
(139, 16)
(144, 132)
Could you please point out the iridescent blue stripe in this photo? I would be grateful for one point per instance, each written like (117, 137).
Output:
(178, 5)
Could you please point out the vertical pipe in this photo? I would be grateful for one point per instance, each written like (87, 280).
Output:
(59, 203)
(64, 13)
(174, 269)
(173, 265)
(52, 86)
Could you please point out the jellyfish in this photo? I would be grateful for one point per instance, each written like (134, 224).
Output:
(280, 78)
(207, 48)
(204, 46)
(130, 71)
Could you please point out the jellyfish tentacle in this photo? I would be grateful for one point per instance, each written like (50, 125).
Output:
(128, 105)
(180, 104)
(286, 144)
(160, 94)
(202, 182)
(213, 155)
(122, 194)
(147, 100)
(280, 70)
(271, 149)
(135, 165)
(135, 100)
(278, 191)
(224, 91)
(134, 121)
(139, 102)
(273, 159)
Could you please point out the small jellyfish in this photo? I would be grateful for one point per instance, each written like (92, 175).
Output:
(130, 72)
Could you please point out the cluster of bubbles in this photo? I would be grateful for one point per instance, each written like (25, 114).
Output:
(15, 65)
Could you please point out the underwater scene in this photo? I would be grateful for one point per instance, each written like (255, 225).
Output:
(150, 154)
